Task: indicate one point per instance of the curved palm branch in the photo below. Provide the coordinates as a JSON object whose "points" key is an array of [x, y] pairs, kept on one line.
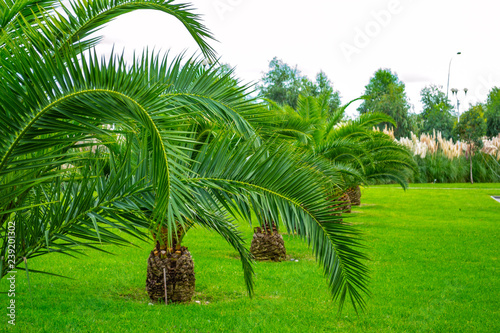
{"points": [[280, 186], [65, 28], [73, 210]]}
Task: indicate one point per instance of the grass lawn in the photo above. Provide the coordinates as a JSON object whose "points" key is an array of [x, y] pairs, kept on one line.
{"points": [[435, 268]]}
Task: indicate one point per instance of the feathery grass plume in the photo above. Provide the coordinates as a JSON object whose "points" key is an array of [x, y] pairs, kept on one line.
{"points": [[445, 160]]}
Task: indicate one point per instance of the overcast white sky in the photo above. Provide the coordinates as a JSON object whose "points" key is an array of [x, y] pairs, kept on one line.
{"points": [[348, 40]]}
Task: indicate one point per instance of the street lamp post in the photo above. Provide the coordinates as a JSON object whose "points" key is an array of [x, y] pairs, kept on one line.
{"points": [[449, 68], [455, 91]]}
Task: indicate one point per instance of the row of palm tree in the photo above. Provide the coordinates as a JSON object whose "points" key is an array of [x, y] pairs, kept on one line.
{"points": [[353, 153], [91, 146], [359, 155]]}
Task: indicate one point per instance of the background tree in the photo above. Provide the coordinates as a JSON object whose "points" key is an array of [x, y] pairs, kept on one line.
{"points": [[493, 112], [470, 128], [323, 87], [416, 123], [283, 85], [386, 93], [437, 111]]}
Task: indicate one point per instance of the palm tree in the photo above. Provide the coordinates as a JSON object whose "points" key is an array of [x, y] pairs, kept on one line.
{"points": [[89, 147], [353, 153], [359, 154], [58, 99], [55, 99]]}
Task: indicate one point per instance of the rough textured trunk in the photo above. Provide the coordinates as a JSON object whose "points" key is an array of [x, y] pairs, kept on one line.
{"points": [[267, 244], [343, 205], [174, 261], [354, 194], [179, 269]]}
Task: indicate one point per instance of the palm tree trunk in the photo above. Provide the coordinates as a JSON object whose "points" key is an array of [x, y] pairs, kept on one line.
{"points": [[354, 195], [341, 206], [180, 279], [268, 244], [176, 263]]}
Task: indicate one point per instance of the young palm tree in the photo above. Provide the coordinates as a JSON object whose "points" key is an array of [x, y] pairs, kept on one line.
{"points": [[353, 153], [359, 154], [57, 105], [230, 178]]}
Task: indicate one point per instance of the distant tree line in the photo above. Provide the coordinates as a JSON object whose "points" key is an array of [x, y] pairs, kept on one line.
{"points": [[386, 93]]}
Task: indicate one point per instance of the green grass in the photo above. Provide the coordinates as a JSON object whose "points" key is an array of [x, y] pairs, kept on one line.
{"points": [[434, 268]]}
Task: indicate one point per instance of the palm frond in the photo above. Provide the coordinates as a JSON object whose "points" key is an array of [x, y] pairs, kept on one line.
{"points": [[84, 210], [278, 186]]}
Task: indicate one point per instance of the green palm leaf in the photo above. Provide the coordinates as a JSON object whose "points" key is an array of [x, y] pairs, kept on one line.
{"points": [[278, 186]]}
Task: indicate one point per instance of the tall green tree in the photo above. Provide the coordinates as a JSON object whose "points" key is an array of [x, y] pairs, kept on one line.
{"points": [[283, 84], [470, 128], [437, 111], [385, 93], [324, 87], [493, 112]]}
